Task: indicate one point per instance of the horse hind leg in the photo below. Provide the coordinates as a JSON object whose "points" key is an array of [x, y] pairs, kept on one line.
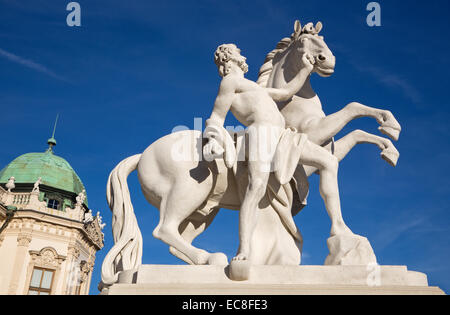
{"points": [[192, 228], [174, 209]]}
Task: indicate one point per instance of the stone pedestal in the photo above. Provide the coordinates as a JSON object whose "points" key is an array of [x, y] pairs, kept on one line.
{"points": [[273, 280]]}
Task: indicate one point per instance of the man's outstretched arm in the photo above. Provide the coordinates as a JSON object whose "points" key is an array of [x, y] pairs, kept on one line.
{"points": [[223, 103], [290, 89], [214, 125]]}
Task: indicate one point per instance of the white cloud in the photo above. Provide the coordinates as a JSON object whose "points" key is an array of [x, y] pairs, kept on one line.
{"points": [[391, 230], [30, 64]]}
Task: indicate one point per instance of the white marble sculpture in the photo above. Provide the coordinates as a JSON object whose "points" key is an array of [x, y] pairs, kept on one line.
{"points": [[10, 185], [81, 198], [100, 221], [255, 107], [88, 217], [36, 186], [299, 141]]}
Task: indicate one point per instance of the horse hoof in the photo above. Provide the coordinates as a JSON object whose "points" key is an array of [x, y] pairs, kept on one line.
{"points": [[392, 133], [391, 156], [218, 259]]}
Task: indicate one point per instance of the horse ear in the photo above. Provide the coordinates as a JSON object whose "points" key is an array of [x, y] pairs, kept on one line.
{"points": [[319, 27], [297, 27]]}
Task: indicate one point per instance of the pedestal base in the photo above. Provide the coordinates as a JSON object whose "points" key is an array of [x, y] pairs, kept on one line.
{"points": [[273, 280]]}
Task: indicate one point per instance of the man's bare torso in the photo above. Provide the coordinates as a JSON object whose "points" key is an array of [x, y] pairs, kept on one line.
{"points": [[252, 104]]}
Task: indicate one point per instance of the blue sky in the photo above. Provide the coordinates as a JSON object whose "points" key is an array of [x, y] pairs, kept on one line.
{"points": [[136, 69]]}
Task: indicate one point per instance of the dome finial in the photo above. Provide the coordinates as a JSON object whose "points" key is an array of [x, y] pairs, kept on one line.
{"points": [[52, 141]]}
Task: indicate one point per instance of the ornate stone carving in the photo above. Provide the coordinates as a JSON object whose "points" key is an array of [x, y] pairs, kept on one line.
{"points": [[85, 268], [47, 258], [94, 232], [24, 239], [100, 221], [81, 198], [73, 251], [88, 217]]}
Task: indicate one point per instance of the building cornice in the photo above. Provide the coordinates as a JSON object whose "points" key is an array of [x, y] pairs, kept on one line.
{"points": [[91, 231], [29, 206]]}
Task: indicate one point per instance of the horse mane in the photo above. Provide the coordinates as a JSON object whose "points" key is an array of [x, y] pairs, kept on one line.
{"points": [[267, 67]]}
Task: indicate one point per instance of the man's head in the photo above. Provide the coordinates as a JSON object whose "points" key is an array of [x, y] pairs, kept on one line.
{"points": [[226, 55]]}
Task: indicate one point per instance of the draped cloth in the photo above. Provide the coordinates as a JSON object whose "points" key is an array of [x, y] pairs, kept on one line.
{"points": [[288, 153], [288, 188]]}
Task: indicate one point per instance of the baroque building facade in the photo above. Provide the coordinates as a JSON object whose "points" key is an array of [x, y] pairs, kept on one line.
{"points": [[48, 235]]}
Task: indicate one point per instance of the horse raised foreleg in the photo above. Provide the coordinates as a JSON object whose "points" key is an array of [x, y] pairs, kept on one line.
{"points": [[320, 130], [343, 146]]}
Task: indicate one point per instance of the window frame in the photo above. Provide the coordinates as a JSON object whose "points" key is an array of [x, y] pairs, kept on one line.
{"points": [[40, 289], [57, 201]]}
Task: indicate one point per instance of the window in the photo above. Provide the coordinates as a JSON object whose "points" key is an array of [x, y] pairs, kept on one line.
{"points": [[53, 204], [41, 282]]}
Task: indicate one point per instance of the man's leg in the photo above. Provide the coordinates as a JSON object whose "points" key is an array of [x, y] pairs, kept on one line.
{"points": [[262, 141], [248, 215], [316, 156]]}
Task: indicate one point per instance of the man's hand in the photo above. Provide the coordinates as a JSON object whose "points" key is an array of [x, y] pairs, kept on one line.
{"points": [[212, 150], [283, 94], [308, 62]]}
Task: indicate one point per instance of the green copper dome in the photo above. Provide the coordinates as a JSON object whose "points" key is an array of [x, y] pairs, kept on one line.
{"points": [[55, 171]]}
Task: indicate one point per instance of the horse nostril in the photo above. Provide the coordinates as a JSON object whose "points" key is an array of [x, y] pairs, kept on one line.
{"points": [[322, 58]]}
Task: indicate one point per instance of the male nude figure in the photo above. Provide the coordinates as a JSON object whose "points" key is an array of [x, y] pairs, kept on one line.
{"points": [[255, 107]]}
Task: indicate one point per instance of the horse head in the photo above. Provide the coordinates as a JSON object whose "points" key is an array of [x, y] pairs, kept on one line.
{"points": [[285, 60], [307, 41]]}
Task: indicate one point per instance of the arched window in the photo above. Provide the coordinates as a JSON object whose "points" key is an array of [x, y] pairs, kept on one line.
{"points": [[53, 204]]}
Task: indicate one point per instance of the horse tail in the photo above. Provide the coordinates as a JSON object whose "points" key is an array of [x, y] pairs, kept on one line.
{"points": [[126, 253]]}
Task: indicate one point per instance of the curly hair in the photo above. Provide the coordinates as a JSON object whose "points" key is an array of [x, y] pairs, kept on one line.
{"points": [[224, 55]]}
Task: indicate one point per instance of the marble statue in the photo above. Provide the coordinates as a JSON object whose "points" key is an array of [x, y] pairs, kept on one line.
{"points": [[263, 177], [36, 185], [88, 217], [100, 221], [255, 107], [10, 185], [81, 198]]}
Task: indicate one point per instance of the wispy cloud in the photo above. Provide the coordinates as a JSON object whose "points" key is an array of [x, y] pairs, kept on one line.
{"points": [[30, 64], [412, 224], [381, 74], [392, 81]]}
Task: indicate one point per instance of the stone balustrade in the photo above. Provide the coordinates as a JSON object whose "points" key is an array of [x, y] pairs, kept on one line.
{"points": [[21, 199], [30, 201]]}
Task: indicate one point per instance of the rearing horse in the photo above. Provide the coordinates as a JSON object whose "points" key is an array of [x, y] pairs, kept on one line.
{"points": [[304, 112]]}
